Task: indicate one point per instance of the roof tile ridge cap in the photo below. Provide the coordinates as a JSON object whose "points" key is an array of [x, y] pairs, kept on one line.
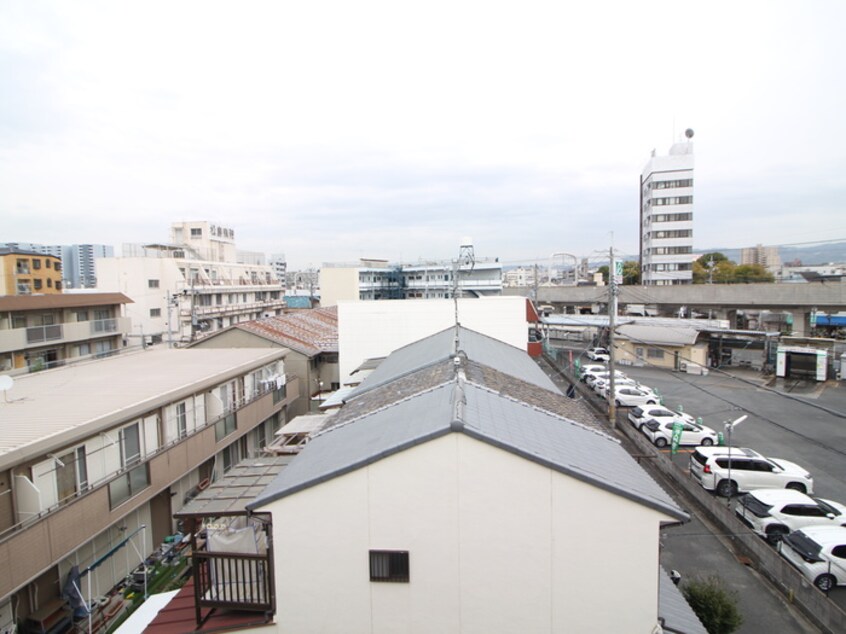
{"points": [[584, 426], [380, 409], [459, 397]]}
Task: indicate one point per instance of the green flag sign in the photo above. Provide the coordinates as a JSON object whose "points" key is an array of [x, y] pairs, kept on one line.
{"points": [[677, 432]]}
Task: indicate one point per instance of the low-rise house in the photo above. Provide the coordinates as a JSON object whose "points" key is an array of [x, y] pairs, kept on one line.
{"points": [[94, 454], [45, 331], [311, 338], [457, 491]]}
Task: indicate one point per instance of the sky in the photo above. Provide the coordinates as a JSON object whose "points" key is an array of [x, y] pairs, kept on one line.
{"points": [[332, 131]]}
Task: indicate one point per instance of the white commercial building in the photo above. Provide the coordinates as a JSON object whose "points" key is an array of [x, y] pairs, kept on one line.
{"points": [[194, 285], [379, 279], [666, 217]]}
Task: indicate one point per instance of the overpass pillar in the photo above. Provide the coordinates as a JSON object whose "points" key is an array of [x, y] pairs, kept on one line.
{"points": [[801, 322]]}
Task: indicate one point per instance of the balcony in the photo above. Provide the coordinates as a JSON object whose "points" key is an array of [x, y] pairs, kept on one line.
{"points": [[18, 339], [225, 310]]}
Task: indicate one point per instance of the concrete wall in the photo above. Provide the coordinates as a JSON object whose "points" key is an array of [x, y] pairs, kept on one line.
{"points": [[375, 329], [338, 284], [494, 546]]}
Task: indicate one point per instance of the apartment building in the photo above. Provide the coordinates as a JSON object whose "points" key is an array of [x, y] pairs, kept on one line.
{"points": [[666, 217], [24, 272], [191, 286], [38, 332], [768, 257], [78, 270], [380, 279], [100, 454]]}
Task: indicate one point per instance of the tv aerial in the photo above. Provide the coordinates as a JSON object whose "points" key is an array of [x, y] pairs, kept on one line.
{"points": [[6, 383]]}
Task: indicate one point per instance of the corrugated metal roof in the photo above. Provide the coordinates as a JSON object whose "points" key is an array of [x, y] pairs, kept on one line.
{"points": [[478, 347], [458, 406], [46, 411], [673, 608], [309, 332], [231, 494], [659, 335], [60, 300]]}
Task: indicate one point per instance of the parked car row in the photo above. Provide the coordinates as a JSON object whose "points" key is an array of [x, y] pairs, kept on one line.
{"points": [[627, 391], [778, 502]]}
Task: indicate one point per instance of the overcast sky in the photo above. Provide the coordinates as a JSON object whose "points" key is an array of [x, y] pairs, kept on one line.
{"points": [[330, 131]]}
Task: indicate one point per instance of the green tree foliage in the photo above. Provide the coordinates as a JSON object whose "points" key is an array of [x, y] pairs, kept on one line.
{"points": [[631, 272], [715, 605], [716, 268]]}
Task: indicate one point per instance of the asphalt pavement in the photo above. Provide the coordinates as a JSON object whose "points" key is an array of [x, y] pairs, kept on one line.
{"points": [[777, 426]]}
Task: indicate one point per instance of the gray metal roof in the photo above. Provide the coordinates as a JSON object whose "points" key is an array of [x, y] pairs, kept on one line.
{"points": [[678, 616], [478, 347], [46, 411], [241, 485], [659, 335], [460, 407]]}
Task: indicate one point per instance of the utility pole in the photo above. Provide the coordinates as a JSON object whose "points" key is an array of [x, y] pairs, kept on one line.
{"points": [[612, 315], [169, 322]]}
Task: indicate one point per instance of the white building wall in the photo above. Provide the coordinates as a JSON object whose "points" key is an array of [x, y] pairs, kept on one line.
{"points": [[375, 329], [493, 547], [338, 284]]}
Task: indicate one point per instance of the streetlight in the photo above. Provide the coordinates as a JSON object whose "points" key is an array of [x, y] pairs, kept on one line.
{"points": [[729, 427]]}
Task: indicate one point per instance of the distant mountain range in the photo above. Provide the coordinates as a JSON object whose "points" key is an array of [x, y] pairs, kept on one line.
{"points": [[810, 255]]}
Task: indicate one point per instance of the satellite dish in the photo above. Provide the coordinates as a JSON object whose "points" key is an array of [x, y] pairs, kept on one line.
{"points": [[6, 382], [689, 133]]}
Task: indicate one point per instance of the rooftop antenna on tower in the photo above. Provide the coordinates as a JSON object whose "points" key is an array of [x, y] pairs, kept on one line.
{"points": [[465, 262]]}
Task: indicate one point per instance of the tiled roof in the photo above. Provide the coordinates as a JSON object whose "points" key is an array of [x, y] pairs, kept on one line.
{"points": [[308, 332], [459, 406], [442, 345]]}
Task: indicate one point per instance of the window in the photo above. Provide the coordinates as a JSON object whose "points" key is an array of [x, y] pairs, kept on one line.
{"points": [[152, 283], [655, 353], [196, 232], [181, 420], [81, 467], [224, 427], [155, 312], [839, 551], [130, 445], [82, 315], [389, 565], [48, 263], [49, 283], [128, 484], [36, 263], [83, 349], [37, 284]]}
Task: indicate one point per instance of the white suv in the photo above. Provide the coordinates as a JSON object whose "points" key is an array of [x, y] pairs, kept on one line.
{"points": [[660, 432], [598, 354], [749, 470], [819, 553], [639, 416], [773, 513]]}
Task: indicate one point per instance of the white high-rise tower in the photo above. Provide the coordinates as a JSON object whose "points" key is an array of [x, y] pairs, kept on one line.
{"points": [[666, 216]]}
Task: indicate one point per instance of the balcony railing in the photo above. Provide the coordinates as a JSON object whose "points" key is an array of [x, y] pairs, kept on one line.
{"points": [[40, 334], [235, 581]]}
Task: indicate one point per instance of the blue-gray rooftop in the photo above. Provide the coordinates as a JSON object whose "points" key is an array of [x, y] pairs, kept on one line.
{"points": [[442, 345], [561, 444]]}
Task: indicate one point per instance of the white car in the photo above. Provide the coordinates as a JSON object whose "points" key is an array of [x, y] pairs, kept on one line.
{"points": [[773, 513], [590, 368], [591, 378], [598, 354], [601, 386], [626, 396], [819, 553], [640, 415], [661, 432], [710, 466]]}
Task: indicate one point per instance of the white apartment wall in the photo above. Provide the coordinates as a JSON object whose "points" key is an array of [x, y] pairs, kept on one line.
{"points": [[375, 329], [338, 284], [131, 276], [493, 547]]}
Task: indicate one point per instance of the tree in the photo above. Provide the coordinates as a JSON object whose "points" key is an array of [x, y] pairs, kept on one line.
{"points": [[604, 270], [714, 256], [631, 272], [715, 606], [752, 273]]}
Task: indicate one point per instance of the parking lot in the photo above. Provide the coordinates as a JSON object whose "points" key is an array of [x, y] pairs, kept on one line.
{"points": [[801, 422]]}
